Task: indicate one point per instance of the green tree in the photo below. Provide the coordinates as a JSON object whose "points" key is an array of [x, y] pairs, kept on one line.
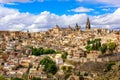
{"points": [[98, 45], [51, 68], [17, 78], [88, 47], [46, 60], [63, 68], [51, 51], [35, 78], [49, 65], [109, 66], [41, 51], [2, 78], [88, 42], [66, 68], [94, 44], [103, 48], [35, 52], [111, 46], [64, 55]]}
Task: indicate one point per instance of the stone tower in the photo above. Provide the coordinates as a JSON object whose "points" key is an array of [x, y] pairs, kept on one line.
{"points": [[88, 24]]}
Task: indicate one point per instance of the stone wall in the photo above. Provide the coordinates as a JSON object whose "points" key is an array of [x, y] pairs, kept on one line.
{"points": [[106, 59]]}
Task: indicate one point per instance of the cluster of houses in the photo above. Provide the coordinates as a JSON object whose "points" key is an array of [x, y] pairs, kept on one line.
{"points": [[16, 57]]}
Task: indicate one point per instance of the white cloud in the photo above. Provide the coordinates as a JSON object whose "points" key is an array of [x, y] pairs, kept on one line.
{"points": [[113, 2], [81, 9], [79, 0], [12, 19], [106, 9], [12, 1], [109, 21]]}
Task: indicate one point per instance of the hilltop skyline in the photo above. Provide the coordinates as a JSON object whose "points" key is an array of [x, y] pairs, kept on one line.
{"points": [[40, 15]]}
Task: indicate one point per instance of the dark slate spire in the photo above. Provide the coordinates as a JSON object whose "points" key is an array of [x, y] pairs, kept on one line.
{"points": [[77, 27], [57, 27], [88, 24]]}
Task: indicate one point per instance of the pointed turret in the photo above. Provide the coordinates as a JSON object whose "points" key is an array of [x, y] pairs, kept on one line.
{"points": [[57, 27], [88, 24], [77, 27]]}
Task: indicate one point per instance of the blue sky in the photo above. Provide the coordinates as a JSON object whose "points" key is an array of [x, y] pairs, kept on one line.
{"points": [[38, 15], [62, 7]]}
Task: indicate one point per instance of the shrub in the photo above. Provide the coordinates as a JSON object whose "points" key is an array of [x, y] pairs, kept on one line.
{"points": [[109, 66]]}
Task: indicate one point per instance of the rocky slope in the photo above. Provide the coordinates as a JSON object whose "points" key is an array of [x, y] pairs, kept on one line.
{"points": [[113, 74]]}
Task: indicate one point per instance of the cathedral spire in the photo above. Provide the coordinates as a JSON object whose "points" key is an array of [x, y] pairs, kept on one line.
{"points": [[88, 24]]}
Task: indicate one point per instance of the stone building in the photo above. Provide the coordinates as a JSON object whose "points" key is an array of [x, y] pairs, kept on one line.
{"points": [[93, 54]]}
